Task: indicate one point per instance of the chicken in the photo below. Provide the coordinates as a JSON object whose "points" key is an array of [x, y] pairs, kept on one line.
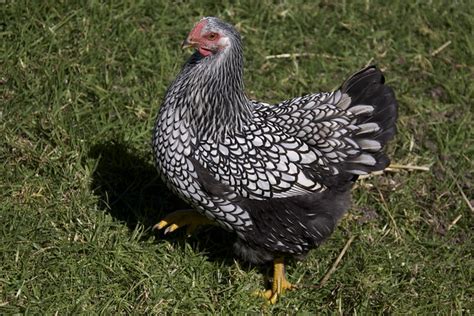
{"points": [[278, 176]]}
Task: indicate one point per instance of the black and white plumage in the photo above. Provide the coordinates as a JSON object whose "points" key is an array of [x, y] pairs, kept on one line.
{"points": [[279, 176]]}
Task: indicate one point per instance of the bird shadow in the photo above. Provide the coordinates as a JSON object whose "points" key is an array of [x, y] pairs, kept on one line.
{"points": [[129, 189]]}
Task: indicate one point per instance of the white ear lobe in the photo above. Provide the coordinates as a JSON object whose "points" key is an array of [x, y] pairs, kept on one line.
{"points": [[224, 41]]}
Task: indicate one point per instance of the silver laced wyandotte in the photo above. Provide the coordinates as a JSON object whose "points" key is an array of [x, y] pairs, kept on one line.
{"points": [[279, 176]]}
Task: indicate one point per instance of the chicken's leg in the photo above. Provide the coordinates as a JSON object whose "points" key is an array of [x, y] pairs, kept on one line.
{"points": [[280, 283], [178, 219]]}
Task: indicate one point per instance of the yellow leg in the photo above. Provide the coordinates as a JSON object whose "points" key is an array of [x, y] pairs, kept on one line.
{"points": [[280, 283], [178, 219]]}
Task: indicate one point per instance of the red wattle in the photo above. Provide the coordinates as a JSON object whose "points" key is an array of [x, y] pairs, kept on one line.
{"points": [[204, 51]]}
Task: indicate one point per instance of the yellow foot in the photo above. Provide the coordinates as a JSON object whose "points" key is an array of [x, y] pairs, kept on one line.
{"points": [[280, 283], [178, 219]]}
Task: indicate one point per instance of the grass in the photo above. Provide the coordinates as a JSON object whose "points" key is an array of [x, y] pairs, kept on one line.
{"points": [[81, 85]]}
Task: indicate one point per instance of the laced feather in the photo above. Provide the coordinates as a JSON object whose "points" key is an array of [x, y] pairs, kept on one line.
{"points": [[210, 91]]}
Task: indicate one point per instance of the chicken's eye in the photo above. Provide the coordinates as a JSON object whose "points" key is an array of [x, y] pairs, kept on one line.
{"points": [[212, 36]]}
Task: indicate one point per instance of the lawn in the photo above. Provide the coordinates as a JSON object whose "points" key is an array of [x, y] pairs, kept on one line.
{"points": [[80, 86]]}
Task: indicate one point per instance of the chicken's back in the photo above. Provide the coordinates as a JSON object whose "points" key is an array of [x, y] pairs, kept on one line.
{"points": [[348, 130]]}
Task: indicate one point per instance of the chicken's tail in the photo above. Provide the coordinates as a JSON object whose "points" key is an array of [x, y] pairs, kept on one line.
{"points": [[375, 108]]}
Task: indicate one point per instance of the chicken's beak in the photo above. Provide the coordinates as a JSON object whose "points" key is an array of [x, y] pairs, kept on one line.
{"points": [[188, 43]]}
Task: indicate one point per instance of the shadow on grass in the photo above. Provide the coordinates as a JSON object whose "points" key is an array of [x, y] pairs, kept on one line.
{"points": [[130, 190]]}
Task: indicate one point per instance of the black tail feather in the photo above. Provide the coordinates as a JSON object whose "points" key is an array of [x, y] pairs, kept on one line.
{"points": [[367, 87]]}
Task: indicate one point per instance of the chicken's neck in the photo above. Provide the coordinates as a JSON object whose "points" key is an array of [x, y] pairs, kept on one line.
{"points": [[209, 94]]}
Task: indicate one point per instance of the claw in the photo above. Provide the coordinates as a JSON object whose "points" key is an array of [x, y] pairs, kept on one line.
{"points": [[171, 228], [178, 219], [160, 225], [267, 294], [273, 299]]}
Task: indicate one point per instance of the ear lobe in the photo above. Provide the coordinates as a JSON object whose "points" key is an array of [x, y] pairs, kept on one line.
{"points": [[223, 41]]}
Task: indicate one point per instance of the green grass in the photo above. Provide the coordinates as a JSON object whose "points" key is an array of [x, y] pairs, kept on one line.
{"points": [[80, 87]]}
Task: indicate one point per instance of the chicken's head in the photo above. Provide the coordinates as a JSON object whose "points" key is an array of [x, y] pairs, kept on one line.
{"points": [[210, 36]]}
